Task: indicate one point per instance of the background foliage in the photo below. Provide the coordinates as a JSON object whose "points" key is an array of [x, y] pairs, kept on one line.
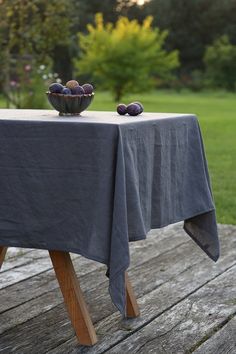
{"points": [[193, 25], [124, 57], [216, 114], [41, 32], [220, 61], [30, 33]]}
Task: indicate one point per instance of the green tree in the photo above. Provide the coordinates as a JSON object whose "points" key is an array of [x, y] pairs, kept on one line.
{"points": [[220, 61], [126, 56], [193, 25], [30, 33], [34, 27]]}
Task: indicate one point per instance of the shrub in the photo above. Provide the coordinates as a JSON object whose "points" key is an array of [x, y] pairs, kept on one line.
{"points": [[125, 57], [27, 85], [220, 61]]}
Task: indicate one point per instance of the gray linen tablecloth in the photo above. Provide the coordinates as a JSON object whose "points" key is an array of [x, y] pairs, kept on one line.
{"points": [[91, 184]]}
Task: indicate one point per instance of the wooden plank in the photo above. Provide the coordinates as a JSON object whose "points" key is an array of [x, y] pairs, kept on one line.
{"points": [[3, 251], [156, 244], [222, 342], [14, 296], [34, 263], [14, 252], [173, 235], [90, 282], [27, 270], [132, 309], [73, 297], [182, 327], [171, 290], [111, 330], [19, 258], [45, 295]]}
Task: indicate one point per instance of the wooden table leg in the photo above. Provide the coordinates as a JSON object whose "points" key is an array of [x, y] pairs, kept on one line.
{"points": [[3, 251], [132, 309], [73, 297]]}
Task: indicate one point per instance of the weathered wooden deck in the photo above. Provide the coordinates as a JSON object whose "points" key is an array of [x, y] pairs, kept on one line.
{"points": [[187, 302]]}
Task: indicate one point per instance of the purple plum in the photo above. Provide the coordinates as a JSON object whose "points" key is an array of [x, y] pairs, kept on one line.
{"points": [[88, 89], [56, 88], [133, 109], [121, 109], [140, 105], [77, 90], [66, 91]]}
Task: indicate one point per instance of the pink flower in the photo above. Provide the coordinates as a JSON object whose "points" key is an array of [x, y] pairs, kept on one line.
{"points": [[27, 67], [13, 83]]}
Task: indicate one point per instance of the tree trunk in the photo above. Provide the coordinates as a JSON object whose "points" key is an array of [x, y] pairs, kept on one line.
{"points": [[118, 94]]}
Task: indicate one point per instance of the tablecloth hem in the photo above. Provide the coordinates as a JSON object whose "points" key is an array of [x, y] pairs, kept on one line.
{"points": [[64, 249], [153, 227], [121, 308], [214, 258]]}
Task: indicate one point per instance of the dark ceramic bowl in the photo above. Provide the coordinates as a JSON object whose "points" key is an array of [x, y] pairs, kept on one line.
{"points": [[69, 104]]}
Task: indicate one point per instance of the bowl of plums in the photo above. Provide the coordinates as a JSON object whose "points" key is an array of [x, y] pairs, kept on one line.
{"points": [[71, 99]]}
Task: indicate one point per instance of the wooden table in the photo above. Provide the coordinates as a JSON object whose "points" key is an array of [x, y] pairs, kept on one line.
{"points": [[119, 143], [74, 299]]}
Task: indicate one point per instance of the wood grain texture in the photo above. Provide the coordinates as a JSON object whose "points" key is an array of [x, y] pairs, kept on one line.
{"points": [[112, 330], [221, 342], [132, 309], [73, 297], [33, 263], [155, 250], [46, 295], [38, 262], [21, 258], [161, 283], [3, 251], [185, 324]]}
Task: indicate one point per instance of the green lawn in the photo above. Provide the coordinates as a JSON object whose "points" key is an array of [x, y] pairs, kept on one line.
{"points": [[217, 116], [2, 103]]}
